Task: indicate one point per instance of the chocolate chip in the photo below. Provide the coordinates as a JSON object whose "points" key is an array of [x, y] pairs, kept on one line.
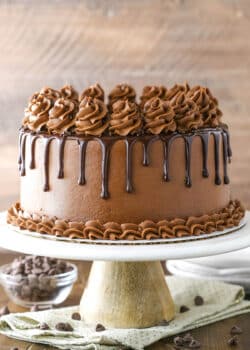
{"points": [[76, 316], [184, 308], [178, 341], [236, 330], [234, 341], [68, 327], [64, 327], [4, 311], [198, 300], [44, 326], [32, 274], [14, 348], [195, 344], [99, 328], [187, 338]]}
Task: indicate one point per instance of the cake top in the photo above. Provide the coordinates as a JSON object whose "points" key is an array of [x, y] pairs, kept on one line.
{"points": [[161, 110]]}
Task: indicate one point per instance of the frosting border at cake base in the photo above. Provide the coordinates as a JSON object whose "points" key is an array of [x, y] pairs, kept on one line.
{"points": [[219, 220]]}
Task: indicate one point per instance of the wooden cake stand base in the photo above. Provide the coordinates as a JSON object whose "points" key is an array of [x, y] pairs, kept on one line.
{"points": [[127, 295]]}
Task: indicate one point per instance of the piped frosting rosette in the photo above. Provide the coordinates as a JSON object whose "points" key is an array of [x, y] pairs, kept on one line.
{"points": [[91, 117]]}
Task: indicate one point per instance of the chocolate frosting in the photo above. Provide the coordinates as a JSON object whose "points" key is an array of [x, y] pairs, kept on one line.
{"points": [[68, 92], [177, 89], [187, 115], [94, 91], [158, 116], [207, 105], [37, 112], [149, 92], [219, 220], [122, 91], [61, 116], [50, 93], [125, 118], [193, 108], [91, 117]]}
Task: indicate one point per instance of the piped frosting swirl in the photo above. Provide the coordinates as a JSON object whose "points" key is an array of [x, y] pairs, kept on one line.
{"points": [[159, 116], [180, 108], [122, 91], [207, 105], [187, 115], [125, 118], [61, 116], [94, 91], [36, 114], [91, 117], [218, 220], [150, 92], [67, 91]]}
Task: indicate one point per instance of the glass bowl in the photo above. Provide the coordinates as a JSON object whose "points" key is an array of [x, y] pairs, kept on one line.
{"points": [[43, 291]]}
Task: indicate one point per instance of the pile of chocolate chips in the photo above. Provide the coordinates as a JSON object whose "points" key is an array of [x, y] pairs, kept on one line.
{"points": [[33, 276]]}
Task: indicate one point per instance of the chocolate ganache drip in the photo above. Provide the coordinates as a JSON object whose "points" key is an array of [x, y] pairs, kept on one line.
{"points": [[107, 142], [122, 91], [159, 116], [62, 116], [150, 92], [125, 118], [94, 91], [91, 118]]}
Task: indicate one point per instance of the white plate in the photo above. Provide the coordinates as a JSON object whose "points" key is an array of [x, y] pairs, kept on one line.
{"points": [[204, 245]]}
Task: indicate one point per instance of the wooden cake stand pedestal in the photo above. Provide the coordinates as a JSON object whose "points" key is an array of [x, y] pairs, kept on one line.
{"points": [[126, 286]]}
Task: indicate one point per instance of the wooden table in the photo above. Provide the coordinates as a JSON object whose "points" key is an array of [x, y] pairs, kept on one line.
{"points": [[212, 337]]}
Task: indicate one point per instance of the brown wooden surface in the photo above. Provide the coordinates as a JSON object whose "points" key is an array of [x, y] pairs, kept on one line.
{"points": [[212, 337], [141, 42]]}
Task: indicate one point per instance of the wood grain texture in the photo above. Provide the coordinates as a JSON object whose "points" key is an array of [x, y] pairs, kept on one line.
{"points": [[141, 42], [212, 337], [121, 295]]}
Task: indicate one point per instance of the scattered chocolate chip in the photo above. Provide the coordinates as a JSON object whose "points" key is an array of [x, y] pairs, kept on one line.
{"points": [[234, 341], [76, 316], [198, 300], [64, 327], [4, 311], [195, 344], [184, 308], [99, 328], [44, 326], [178, 341], [236, 330], [187, 338]]}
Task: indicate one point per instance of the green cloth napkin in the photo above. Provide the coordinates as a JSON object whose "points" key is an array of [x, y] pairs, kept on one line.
{"points": [[220, 301]]}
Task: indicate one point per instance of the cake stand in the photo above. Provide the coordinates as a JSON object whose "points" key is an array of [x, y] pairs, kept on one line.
{"points": [[126, 286]]}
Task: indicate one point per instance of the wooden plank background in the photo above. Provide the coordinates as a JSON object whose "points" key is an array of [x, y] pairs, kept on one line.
{"points": [[140, 42]]}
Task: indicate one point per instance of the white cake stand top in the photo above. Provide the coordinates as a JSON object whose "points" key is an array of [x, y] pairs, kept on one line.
{"points": [[25, 242]]}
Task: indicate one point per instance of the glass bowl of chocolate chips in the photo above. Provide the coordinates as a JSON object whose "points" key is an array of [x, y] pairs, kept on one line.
{"points": [[38, 281]]}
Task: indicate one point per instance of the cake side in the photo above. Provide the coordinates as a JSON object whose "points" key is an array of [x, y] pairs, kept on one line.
{"points": [[128, 191]]}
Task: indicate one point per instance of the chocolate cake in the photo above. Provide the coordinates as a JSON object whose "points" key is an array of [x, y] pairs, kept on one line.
{"points": [[125, 169]]}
